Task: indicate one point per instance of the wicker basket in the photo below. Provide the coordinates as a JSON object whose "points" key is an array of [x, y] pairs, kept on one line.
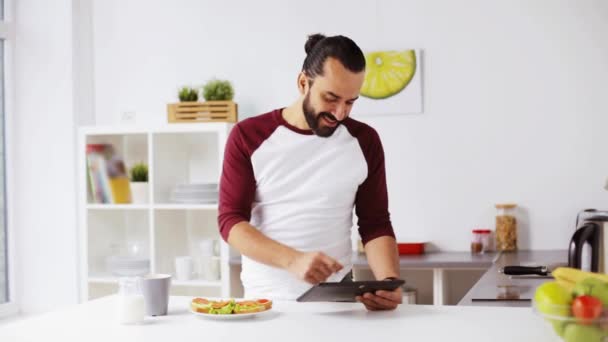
{"points": [[208, 111]]}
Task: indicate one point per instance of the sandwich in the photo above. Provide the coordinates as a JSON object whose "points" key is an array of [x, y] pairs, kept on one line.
{"points": [[229, 307]]}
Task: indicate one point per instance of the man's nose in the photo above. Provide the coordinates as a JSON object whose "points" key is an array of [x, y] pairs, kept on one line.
{"points": [[340, 112]]}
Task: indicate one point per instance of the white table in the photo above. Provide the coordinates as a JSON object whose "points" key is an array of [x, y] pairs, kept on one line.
{"points": [[288, 321]]}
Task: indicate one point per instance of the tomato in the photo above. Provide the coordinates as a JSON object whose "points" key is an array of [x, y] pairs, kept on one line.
{"points": [[586, 308]]}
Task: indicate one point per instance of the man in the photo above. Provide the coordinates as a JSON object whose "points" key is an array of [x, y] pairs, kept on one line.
{"points": [[292, 176]]}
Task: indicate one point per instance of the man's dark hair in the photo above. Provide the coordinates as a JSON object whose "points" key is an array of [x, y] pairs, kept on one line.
{"points": [[318, 48]]}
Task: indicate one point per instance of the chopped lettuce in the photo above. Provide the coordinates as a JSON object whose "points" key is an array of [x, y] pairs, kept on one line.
{"points": [[224, 310]]}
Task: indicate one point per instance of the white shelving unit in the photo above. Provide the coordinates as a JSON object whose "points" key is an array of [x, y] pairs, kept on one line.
{"points": [[178, 153]]}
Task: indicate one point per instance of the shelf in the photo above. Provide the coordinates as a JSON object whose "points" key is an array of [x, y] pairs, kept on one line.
{"points": [[170, 128], [103, 279], [195, 282], [177, 206], [109, 279], [118, 206], [164, 230], [170, 206]]}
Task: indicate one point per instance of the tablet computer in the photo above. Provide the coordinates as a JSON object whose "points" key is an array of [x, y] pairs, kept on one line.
{"points": [[347, 291]]}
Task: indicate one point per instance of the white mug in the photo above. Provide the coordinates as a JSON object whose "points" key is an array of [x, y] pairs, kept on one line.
{"points": [[208, 247], [210, 268], [183, 268]]}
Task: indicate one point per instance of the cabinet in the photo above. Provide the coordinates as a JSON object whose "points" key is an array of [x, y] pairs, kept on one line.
{"points": [[159, 230]]}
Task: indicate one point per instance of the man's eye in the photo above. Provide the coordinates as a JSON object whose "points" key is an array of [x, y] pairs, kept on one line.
{"points": [[330, 100]]}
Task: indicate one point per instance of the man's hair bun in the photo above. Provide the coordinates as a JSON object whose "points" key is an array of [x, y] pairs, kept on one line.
{"points": [[313, 39]]}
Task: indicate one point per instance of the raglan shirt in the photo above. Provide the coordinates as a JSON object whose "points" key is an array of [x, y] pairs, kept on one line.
{"points": [[299, 189]]}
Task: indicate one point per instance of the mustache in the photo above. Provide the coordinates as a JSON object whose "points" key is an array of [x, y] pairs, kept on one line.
{"points": [[330, 116]]}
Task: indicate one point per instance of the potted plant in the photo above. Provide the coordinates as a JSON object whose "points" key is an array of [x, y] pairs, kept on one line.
{"points": [[217, 107], [139, 183], [187, 94], [218, 90]]}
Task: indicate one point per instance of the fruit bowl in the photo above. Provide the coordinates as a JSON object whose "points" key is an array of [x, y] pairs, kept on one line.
{"points": [[575, 304], [575, 328]]}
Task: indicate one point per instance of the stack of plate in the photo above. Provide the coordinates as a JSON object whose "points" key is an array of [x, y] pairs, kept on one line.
{"points": [[127, 265], [196, 193]]}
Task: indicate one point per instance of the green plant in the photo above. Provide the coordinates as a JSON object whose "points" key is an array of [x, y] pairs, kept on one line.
{"points": [[139, 172], [218, 90], [187, 94]]}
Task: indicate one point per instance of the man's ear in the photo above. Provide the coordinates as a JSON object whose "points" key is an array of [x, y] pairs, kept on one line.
{"points": [[302, 83]]}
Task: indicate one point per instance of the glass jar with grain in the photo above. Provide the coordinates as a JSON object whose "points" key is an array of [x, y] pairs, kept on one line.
{"points": [[506, 227]]}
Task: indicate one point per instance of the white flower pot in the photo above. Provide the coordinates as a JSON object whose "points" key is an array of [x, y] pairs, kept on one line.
{"points": [[139, 192]]}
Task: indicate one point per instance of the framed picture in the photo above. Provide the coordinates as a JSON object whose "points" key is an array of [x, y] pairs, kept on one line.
{"points": [[393, 83]]}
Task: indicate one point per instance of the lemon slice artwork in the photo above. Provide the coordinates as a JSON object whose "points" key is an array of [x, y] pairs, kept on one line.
{"points": [[387, 73]]}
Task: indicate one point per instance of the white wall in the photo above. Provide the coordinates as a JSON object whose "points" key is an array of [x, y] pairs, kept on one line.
{"points": [[514, 94], [44, 178]]}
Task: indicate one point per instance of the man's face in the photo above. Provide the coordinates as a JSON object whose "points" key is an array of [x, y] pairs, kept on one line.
{"points": [[329, 98]]}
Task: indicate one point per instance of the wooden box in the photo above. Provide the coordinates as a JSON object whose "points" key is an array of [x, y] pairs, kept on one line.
{"points": [[208, 111]]}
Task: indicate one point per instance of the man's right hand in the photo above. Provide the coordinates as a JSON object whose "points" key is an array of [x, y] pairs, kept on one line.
{"points": [[313, 267]]}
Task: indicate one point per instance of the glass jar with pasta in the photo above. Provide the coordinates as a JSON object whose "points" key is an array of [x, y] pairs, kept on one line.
{"points": [[506, 227]]}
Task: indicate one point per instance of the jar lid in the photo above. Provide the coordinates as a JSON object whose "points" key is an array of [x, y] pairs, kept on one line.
{"points": [[482, 231], [505, 206]]}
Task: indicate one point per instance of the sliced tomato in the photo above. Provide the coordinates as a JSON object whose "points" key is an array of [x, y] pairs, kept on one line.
{"points": [[586, 308], [247, 302], [267, 304]]}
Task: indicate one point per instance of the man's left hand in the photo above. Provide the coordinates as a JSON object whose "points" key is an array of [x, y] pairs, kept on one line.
{"points": [[382, 300]]}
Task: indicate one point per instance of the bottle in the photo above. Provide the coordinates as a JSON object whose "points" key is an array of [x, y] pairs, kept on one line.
{"points": [[130, 301], [485, 240], [506, 227], [480, 242], [476, 244]]}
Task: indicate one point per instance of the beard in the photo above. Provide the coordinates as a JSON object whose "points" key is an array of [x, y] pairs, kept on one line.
{"points": [[314, 119]]}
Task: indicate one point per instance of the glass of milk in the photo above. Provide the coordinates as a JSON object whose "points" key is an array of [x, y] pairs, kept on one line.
{"points": [[130, 301]]}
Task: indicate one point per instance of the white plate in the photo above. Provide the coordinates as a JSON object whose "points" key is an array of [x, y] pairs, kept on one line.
{"points": [[229, 317]]}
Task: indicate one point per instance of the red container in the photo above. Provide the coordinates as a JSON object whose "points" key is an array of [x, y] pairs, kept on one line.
{"points": [[409, 248]]}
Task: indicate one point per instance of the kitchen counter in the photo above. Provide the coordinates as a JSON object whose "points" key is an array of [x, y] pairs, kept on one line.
{"points": [[496, 289], [94, 321], [430, 260], [492, 289], [447, 260], [438, 262]]}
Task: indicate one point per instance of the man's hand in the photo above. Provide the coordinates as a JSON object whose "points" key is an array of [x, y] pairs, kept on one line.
{"points": [[313, 267], [382, 300]]}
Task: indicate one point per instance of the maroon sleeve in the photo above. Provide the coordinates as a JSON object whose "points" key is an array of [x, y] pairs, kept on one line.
{"points": [[237, 184], [371, 202]]}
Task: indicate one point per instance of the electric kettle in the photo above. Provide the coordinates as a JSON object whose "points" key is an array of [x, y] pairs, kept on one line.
{"points": [[591, 226]]}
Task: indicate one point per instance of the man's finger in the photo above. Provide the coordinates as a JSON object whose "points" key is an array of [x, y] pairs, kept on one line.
{"points": [[369, 305], [322, 272], [313, 277], [319, 276], [395, 296], [379, 301], [332, 264], [311, 280], [323, 268]]}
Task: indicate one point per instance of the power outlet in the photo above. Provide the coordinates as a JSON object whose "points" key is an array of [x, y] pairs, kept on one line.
{"points": [[128, 117]]}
